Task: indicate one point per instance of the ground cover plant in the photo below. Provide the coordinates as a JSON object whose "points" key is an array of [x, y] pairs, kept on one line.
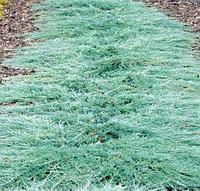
{"points": [[115, 100]]}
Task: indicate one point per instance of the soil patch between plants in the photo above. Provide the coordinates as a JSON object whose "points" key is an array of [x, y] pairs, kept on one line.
{"points": [[6, 71]]}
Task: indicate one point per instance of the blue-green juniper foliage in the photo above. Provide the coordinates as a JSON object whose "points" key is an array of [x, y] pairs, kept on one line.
{"points": [[115, 100]]}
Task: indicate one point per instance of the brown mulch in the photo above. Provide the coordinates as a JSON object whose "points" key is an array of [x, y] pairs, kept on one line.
{"points": [[18, 19], [6, 71], [187, 11]]}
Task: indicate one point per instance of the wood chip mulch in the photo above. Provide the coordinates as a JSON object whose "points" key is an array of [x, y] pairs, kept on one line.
{"points": [[18, 19], [187, 11]]}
